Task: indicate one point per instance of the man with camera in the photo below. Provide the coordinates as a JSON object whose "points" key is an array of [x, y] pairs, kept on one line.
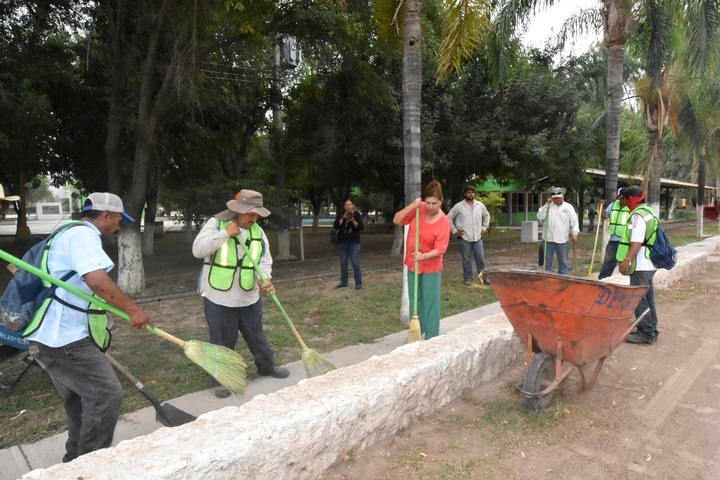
{"points": [[349, 224]]}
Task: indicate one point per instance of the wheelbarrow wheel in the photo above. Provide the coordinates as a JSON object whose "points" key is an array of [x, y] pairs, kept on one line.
{"points": [[539, 374]]}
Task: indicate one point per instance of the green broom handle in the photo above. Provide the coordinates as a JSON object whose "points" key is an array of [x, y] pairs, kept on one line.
{"points": [[417, 249], [98, 302], [275, 299]]}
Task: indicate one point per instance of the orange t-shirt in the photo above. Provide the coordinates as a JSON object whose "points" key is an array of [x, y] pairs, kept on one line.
{"points": [[433, 236]]}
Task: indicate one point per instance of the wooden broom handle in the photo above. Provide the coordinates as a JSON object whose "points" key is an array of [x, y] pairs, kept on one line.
{"points": [[167, 336]]}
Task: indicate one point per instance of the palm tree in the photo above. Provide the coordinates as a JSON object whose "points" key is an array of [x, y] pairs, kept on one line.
{"points": [[616, 19], [697, 113], [675, 42]]}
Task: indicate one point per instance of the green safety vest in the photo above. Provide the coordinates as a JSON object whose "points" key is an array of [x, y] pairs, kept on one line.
{"points": [[619, 217], [650, 235], [97, 317], [225, 261]]}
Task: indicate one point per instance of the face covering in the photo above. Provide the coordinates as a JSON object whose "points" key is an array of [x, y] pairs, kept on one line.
{"points": [[633, 202]]}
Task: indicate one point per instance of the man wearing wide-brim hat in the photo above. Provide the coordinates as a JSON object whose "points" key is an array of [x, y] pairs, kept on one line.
{"points": [[229, 285], [560, 225]]}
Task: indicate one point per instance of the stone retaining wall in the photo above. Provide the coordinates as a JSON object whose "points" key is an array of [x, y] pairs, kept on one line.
{"points": [[300, 431]]}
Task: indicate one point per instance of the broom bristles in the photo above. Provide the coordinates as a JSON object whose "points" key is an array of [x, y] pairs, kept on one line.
{"points": [[414, 331], [315, 364], [225, 365]]}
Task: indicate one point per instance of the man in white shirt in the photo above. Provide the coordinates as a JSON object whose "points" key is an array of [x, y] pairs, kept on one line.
{"points": [[469, 219], [560, 225]]}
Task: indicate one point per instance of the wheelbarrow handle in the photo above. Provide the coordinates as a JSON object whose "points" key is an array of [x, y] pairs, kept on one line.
{"points": [[633, 325]]}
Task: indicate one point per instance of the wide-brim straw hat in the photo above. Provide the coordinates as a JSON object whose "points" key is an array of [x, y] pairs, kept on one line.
{"points": [[9, 198], [246, 201]]}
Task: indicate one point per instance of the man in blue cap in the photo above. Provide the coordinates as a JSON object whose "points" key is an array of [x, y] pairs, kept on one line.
{"points": [[69, 339]]}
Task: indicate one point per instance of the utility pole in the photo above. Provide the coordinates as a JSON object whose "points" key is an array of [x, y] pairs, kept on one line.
{"points": [[286, 56]]}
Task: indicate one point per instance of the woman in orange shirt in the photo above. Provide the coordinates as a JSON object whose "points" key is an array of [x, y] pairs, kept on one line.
{"points": [[434, 240]]}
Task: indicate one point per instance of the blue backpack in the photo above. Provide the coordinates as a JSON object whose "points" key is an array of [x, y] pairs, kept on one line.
{"points": [[26, 293], [662, 253]]}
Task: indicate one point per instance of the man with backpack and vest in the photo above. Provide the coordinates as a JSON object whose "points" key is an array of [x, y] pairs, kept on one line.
{"points": [[619, 214], [634, 258], [67, 339], [229, 285]]}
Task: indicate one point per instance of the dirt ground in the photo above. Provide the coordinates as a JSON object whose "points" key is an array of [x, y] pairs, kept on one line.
{"points": [[653, 413]]}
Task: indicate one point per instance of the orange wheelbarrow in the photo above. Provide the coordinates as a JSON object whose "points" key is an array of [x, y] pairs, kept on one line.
{"points": [[565, 323]]}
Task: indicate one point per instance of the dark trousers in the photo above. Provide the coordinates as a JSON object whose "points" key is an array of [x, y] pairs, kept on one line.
{"points": [[648, 325], [224, 323], [90, 390], [609, 263]]}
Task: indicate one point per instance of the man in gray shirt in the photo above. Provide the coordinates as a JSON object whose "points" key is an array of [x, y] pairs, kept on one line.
{"points": [[468, 220]]}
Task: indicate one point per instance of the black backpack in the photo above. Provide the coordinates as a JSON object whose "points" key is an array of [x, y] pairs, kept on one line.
{"points": [[26, 293]]}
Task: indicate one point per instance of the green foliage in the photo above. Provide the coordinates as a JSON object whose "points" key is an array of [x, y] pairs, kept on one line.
{"points": [[494, 202]]}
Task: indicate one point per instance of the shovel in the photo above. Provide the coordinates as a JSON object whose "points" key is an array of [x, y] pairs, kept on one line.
{"points": [[166, 414]]}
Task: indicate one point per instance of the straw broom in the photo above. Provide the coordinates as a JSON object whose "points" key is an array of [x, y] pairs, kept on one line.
{"points": [[313, 361], [225, 365], [414, 330]]}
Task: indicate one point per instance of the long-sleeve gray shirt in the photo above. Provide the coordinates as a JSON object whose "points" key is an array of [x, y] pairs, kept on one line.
{"points": [[473, 220]]}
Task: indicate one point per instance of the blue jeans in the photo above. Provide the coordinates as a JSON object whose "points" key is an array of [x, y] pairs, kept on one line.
{"points": [[648, 325], [609, 263], [90, 390], [468, 250], [224, 323], [350, 251], [561, 249]]}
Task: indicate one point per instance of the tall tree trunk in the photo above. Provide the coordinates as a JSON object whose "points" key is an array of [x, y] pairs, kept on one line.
{"points": [[616, 24], [131, 272], [412, 97], [702, 172], [652, 195], [117, 23]]}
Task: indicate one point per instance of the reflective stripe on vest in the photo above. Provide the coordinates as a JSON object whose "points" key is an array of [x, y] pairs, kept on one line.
{"points": [[225, 261], [651, 223], [619, 217]]}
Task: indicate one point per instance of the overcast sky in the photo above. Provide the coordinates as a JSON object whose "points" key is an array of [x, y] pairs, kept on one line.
{"points": [[547, 22]]}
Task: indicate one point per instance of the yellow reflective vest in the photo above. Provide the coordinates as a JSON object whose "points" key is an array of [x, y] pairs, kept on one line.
{"points": [[619, 218], [651, 222], [97, 317], [225, 261]]}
